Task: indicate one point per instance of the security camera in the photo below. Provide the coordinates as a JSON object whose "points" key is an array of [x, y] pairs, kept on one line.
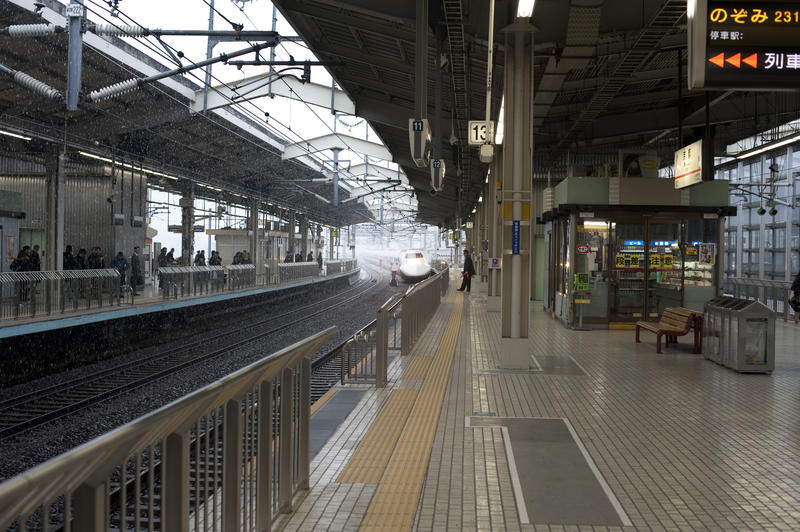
{"points": [[761, 211], [773, 211]]}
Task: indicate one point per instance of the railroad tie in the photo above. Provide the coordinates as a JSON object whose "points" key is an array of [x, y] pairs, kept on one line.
{"points": [[394, 504]]}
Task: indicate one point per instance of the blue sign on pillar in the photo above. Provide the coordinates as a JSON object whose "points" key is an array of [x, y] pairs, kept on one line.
{"points": [[515, 237], [486, 245]]}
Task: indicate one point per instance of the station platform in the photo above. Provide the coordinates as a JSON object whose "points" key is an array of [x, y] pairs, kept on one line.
{"points": [[148, 303], [603, 434]]}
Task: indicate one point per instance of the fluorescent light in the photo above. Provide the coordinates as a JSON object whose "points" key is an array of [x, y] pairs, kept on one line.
{"points": [[498, 135], [525, 8], [91, 156], [126, 165], [590, 223], [480, 200], [15, 135], [768, 147], [473, 210]]}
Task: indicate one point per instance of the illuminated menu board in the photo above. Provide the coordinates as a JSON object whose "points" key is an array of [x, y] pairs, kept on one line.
{"points": [[737, 44]]}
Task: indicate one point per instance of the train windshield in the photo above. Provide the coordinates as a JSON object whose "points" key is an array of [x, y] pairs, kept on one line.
{"points": [[414, 255]]}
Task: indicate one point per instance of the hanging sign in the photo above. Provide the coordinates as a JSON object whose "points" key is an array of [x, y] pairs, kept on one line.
{"points": [[583, 249], [655, 261], [667, 260], [619, 260], [689, 165], [634, 261], [744, 44]]}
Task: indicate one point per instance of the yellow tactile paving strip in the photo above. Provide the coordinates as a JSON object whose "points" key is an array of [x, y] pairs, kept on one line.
{"points": [[395, 501], [418, 368], [369, 461]]}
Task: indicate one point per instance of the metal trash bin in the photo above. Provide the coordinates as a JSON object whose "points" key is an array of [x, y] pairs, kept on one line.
{"points": [[739, 334]]}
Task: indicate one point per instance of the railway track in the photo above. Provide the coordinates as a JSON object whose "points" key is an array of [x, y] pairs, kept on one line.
{"points": [[24, 412]]}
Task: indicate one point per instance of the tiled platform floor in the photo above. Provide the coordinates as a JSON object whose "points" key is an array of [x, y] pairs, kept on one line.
{"points": [[681, 442]]}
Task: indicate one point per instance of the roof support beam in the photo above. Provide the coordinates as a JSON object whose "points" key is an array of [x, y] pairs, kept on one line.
{"points": [[336, 141], [288, 87]]}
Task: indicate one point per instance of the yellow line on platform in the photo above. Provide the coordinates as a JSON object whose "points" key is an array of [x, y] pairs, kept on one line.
{"points": [[322, 401], [394, 504], [369, 461], [418, 368]]}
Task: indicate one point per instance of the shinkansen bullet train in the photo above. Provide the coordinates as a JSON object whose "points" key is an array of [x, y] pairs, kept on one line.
{"points": [[413, 266]]}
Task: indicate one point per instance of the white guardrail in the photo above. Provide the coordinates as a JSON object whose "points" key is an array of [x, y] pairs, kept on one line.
{"points": [[230, 456], [31, 294], [396, 328], [774, 294]]}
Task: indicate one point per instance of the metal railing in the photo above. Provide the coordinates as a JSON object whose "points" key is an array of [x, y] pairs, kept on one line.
{"points": [[341, 266], [397, 327], [230, 456], [184, 281], [31, 294], [241, 276], [295, 271], [774, 294]]}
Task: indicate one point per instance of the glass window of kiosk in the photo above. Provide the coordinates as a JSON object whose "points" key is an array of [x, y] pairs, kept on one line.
{"points": [[665, 268], [591, 267], [627, 271]]}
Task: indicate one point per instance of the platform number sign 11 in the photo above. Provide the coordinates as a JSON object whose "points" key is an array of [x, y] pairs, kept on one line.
{"points": [[479, 133]]}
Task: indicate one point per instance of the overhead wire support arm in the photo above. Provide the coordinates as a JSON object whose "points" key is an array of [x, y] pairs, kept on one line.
{"points": [[132, 84], [32, 84]]}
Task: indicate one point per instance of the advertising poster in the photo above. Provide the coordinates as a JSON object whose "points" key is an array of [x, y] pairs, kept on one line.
{"points": [[11, 249], [707, 253]]}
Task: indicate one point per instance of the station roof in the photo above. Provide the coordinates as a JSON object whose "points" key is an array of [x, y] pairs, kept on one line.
{"points": [[230, 152], [606, 78]]}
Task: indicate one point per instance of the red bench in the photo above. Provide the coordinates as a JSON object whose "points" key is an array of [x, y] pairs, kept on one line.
{"points": [[674, 322]]}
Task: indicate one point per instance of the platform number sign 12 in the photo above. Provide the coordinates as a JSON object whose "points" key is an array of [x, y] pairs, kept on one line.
{"points": [[479, 132]]}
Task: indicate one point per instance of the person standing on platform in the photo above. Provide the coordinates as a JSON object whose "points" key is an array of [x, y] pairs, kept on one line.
{"points": [[36, 261], [310, 257], [136, 270], [171, 257], [468, 272], [796, 292], [319, 259], [298, 257], [122, 266]]}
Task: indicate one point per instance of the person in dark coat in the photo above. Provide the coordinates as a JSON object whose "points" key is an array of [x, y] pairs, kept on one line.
{"points": [[96, 261], [122, 265], [69, 261], [310, 257], [288, 257], [136, 270], [81, 259], [467, 273], [171, 257], [319, 259], [36, 261], [298, 257], [23, 261], [162, 259], [215, 259]]}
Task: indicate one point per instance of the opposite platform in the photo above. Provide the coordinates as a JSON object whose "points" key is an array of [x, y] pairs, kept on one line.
{"points": [[603, 434]]}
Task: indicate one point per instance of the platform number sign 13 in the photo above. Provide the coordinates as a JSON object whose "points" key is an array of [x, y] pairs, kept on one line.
{"points": [[479, 133]]}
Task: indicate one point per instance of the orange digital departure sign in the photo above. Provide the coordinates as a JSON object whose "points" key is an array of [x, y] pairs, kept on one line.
{"points": [[737, 44]]}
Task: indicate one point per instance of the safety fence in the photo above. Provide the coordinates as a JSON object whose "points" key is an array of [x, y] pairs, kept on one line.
{"points": [[772, 293], [296, 271], [397, 327], [240, 276], [31, 294], [341, 266], [183, 281], [230, 456]]}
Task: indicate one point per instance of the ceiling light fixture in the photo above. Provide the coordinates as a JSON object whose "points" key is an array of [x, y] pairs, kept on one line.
{"points": [[525, 8], [768, 147], [15, 135]]}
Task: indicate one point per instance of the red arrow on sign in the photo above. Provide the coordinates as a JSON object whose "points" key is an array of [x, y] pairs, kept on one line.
{"points": [[718, 60], [735, 60]]}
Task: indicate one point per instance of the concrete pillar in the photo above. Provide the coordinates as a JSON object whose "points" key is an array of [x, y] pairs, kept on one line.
{"points": [[495, 219], [187, 223], [517, 208], [304, 232], [292, 230], [254, 240], [56, 179]]}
